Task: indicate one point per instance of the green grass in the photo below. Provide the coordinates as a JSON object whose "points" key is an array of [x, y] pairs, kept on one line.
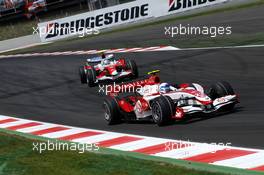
{"points": [[18, 158], [14, 30]]}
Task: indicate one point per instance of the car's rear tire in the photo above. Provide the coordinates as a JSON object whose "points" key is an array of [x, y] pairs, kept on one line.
{"points": [[91, 77], [131, 65], [163, 108], [111, 111], [221, 89], [83, 75]]}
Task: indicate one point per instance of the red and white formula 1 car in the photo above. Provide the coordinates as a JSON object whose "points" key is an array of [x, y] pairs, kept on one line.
{"points": [[163, 103], [36, 6], [100, 69]]}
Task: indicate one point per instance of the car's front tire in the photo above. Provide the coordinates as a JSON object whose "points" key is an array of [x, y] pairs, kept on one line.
{"points": [[111, 111], [83, 75], [221, 89], [91, 77], [163, 108]]}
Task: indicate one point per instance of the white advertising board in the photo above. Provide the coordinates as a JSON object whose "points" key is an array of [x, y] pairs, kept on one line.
{"points": [[92, 22], [169, 7]]}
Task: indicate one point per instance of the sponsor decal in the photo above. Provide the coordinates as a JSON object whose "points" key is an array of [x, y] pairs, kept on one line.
{"points": [[94, 22], [183, 4]]}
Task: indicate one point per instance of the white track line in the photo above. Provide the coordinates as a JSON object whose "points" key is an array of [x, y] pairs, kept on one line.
{"points": [[224, 47], [108, 51], [127, 50]]}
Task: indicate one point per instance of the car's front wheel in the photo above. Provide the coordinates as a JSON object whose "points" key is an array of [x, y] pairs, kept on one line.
{"points": [[163, 108], [111, 111], [83, 75], [91, 77], [221, 89]]}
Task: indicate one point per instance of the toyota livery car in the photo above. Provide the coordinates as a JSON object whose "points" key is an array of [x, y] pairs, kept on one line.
{"points": [[107, 68]]}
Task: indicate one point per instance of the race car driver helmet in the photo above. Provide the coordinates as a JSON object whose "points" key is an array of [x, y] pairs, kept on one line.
{"points": [[164, 88], [106, 62]]}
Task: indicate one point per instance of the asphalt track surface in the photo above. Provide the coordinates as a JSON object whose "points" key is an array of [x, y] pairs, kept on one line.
{"points": [[48, 89]]}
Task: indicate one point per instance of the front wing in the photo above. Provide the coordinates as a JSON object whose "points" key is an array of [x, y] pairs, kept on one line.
{"points": [[215, 106]]}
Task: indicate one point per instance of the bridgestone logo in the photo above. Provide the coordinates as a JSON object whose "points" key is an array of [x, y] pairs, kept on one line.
{"points": [[118, 16], [183, 4]]}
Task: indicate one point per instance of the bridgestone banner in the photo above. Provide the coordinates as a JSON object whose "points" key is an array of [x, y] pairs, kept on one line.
{"points": [[92, 22]]}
